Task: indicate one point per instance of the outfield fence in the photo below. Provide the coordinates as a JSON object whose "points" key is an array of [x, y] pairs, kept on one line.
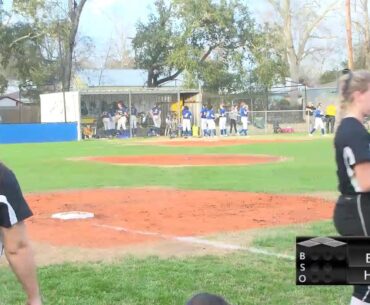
{"points": [[22, 113], [278, 121]]}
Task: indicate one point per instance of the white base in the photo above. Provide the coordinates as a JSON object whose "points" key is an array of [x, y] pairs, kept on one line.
{"points": [[73, 215]]}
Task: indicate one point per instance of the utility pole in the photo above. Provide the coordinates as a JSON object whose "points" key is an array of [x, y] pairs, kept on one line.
{"points": [[349, 34], [62, 68]]}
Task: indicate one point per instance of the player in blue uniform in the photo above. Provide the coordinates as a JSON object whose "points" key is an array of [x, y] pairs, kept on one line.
{"points": [[211, 126], [186, 121], [156, 116], [222, 120], [318, 114], [243, 112], [203, 120]]}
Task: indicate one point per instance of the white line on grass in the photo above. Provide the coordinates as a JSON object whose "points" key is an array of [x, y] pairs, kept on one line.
{"points": [[195, 240]]}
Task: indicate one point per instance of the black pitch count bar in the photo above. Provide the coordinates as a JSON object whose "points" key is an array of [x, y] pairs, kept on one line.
{"points": [[332, 260]]}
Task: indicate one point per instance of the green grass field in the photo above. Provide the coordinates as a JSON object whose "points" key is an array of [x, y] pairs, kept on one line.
{"points": [[243, 278]]}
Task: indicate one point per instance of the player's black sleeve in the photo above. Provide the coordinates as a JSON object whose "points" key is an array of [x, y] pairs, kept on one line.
{"points": [[357, 149], [13, 206]]}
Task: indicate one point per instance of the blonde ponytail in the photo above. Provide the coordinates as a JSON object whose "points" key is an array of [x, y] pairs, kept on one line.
{"points": [[350, 82]]}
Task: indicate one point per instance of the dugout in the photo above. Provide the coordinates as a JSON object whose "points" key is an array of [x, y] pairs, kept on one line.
{"points": [[86, 106]]}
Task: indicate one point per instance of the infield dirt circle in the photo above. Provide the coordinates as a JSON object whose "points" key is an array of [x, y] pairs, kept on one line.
{"points": [[185, 160], [205, 142], [134, 216]]}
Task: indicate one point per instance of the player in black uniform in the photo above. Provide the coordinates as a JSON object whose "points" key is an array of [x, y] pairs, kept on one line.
{"points": [[13, 210], [352, 148]]}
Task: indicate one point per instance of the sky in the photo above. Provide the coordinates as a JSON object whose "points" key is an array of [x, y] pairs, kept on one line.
{"points": [[100, 19]]}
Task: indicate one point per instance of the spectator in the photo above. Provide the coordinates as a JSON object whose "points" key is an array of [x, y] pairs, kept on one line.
{"points": [[206, 299], [330, 112], [233, 115], [87, 132]]}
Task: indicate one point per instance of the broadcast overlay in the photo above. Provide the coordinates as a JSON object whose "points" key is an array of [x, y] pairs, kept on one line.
{"points": [[332, 260]]}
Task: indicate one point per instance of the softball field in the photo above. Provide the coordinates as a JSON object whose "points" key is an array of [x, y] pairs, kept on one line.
{"points": [[173, 218]]}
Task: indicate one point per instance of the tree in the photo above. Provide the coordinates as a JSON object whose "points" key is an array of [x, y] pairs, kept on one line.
{"points": [[349, 34], [297, 36], [361, 31], [43, 41], [74, 14], [82, 53], [24, 50], [153, 44], [267, 50], [120, 51], [185, 34]]}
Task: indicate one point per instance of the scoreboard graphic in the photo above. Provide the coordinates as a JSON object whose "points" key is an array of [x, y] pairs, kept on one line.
{"points": [[332, 260]]}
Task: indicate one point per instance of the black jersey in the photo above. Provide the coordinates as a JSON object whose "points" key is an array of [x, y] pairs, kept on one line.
{"points": [[13, 206], [352, 146]]}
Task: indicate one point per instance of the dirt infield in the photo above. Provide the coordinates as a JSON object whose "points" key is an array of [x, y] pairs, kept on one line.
{"points": [[135, 216], [186, 160], [219, 142]]}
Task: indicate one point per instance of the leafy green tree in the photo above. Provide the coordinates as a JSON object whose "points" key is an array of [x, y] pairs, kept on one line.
{"points": [[215, 43], [153, 44], [184, 34], [38, 49]]}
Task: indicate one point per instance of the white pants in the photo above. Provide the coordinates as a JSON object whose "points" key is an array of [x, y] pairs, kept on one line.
{"points": [[222, 122], [319, 123], [133, 121], [203, 124], [355, 301], [186, 125], [245, 122], [157, 121], [211, 124], [112, 123], [107, 123], [121, 123]]}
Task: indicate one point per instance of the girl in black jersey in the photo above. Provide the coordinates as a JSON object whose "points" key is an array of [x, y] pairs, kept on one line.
{"points": [[13, 234], [352, 149]]}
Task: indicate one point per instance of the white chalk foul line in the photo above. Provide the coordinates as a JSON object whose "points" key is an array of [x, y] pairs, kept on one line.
{"points": [[195, 240]]}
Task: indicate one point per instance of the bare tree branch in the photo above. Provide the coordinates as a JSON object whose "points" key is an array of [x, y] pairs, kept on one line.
{"points": [[322, 37], [28, 36], [276, 5], [312, 51], [177, 73], [312, 27]]}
